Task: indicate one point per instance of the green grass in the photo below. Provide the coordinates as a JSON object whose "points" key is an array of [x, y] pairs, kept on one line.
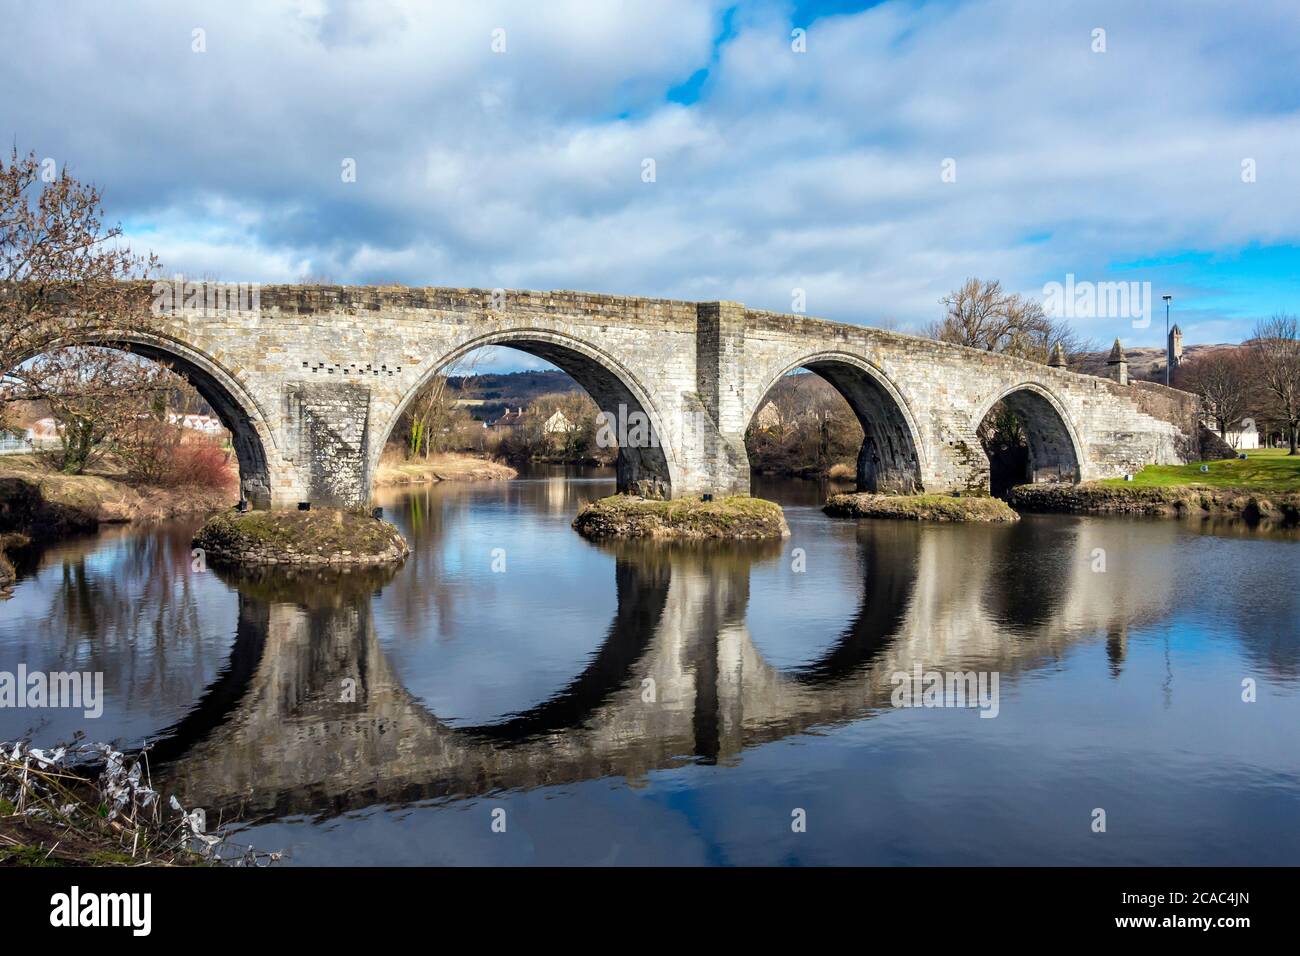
{"points": [[1266, 469], [23, 855]]}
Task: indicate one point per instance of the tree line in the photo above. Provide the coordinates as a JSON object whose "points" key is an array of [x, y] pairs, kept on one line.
{"points": [[65, 280], [1259, 381]]}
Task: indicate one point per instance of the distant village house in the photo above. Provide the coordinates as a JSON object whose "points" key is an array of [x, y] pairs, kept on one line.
{"points": [[558, 424]]}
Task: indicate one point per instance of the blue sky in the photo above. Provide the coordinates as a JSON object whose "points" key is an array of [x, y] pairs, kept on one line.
{"points": [[775, 169]]}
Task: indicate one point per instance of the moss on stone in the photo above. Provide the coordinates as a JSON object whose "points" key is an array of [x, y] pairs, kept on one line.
{"points": [[320, 536], [630, 516], [920, 507]]}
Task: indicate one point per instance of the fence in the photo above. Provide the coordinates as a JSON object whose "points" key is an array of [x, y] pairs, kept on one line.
{"points": [[11, 444]]}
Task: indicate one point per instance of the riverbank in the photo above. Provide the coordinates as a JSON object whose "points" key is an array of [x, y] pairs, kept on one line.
{"points": [[41, 502], [1102, 498], [450, 466], [1263, 486], [629, 516], [322, 536], [839, 471], [89, 805], [7, 541], [920, 507]]}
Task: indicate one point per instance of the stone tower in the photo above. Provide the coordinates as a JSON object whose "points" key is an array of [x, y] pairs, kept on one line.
{"points": [[1057, 358], [1116, 364], [1174, 349]]}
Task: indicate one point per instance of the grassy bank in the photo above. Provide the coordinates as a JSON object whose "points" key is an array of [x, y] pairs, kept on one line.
{"points": [[1264, 469], [919, 507], [1265, 486], [627, 516], [42, 502], [448, 466], [1102, 498]]}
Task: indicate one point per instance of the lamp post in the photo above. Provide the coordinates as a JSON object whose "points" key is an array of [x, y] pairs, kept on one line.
{"points": [[1168, 298]]}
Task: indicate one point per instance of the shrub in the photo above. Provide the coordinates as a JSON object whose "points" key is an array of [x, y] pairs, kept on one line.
{"points": [[201, 464]]}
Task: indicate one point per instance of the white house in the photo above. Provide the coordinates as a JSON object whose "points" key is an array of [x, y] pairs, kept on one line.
{"points": [[768, 417], [558, 424], [1242, 435], [207, 424], [44, 430]]}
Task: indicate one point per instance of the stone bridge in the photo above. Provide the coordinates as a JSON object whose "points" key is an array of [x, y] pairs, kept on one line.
{"points": [[312, 380]]}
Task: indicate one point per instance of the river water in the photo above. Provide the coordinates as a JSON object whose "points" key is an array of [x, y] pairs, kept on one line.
{"points": [[515, 694]]}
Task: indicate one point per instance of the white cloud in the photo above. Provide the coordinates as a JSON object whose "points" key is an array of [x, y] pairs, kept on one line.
{"points": [[818, 170]]}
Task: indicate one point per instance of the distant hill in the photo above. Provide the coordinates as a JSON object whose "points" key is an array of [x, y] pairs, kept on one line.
{"points": [[1143, 363], [487, 396]]}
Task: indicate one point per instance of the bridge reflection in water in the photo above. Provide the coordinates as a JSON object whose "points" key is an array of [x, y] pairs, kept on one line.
{"points": [[310, 716]]}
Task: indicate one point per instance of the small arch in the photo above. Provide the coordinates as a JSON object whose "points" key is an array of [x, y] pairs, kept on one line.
{"points": [[650, 471], [229, 400], [1048, 447], [890, 459]]}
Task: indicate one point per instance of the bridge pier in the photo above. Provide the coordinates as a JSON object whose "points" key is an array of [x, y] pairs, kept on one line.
{"points": [[715, 418], [881, 472]]}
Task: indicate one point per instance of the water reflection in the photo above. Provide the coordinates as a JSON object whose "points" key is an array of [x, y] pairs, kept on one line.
{"points": [[675, 676], [718, 685], [124, 604]]}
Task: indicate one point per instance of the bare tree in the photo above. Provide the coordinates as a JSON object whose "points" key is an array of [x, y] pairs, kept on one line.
{"points": [[62, 276], [982, 315], [427, 416], [1276, 345], [98, 397], [433, 419], [1224, 382]]}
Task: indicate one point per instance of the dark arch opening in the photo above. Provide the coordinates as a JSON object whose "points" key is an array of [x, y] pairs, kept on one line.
{"points": [[641, 465], [886, 459], [1026, 442]]}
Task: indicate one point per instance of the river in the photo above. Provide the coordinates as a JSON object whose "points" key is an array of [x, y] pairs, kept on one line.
{"points": [[514, 694]]}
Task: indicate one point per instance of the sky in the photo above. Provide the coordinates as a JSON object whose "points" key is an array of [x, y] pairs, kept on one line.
{"points": [[869, 156]]}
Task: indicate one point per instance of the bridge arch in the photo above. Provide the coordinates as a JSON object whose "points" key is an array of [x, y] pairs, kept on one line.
{"points": [[232, 403], [891, 458], [650, 469], [1054, 452]]}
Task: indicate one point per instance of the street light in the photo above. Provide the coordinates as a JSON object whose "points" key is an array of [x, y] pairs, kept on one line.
{"points": [[1168, 298]]}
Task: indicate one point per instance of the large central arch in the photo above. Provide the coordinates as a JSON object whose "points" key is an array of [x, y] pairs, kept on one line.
{"points": [[238, 411], [890, 459], [649, 469]]}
